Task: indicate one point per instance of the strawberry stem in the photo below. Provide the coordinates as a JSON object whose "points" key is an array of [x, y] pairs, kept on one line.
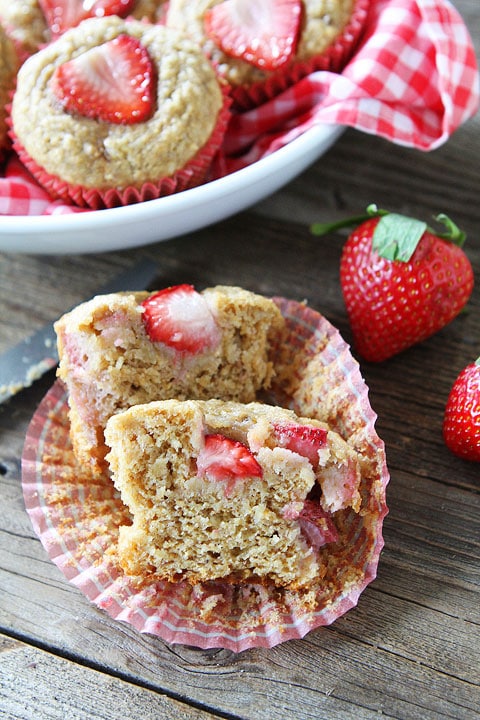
{"points": [[325, 228], [451, 233]]}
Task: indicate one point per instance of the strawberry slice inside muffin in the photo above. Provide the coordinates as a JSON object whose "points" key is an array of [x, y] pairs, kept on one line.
{"points": [[113, 82], [207, 504], [264, 34], [225, 460], [317, 525], [302, 439]]}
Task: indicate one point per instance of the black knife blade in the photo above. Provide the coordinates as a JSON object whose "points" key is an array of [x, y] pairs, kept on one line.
{"points": [[26, 362]]}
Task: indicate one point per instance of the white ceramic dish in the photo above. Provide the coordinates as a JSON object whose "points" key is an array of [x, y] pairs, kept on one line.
{"points": [[168, 217]]}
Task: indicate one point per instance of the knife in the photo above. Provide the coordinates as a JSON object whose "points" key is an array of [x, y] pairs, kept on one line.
{"points": [[21, 365]]}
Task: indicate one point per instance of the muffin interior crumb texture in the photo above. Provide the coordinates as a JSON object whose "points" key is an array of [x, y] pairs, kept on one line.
{"points": [[194, 524], [109, 362]]}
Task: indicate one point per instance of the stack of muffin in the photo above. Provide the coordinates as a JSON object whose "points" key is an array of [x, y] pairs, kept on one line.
{"points": [[164, 393]]}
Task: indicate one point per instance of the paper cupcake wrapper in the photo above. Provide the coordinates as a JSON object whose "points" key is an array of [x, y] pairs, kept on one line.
{"points": [[334, 58], [192, 174], [77, 515]]}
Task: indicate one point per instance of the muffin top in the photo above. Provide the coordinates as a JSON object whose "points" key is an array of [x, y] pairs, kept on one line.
{"points": [[25, 23], [312, 28], [29, 24], [97, 153], [9, 63]]}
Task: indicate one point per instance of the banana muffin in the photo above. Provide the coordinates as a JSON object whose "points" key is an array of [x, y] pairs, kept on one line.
{"points": [[125, 349], [226, 491], [34, 23], [25, 23], [118, 111], [261, 48], [9, 63]]}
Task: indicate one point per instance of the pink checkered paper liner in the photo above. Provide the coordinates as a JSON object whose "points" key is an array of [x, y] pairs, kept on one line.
{"points": [[413, 81], [77, 516]]}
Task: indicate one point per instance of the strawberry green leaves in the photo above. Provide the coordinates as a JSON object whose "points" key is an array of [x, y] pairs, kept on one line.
{"points": [[396, 236]]}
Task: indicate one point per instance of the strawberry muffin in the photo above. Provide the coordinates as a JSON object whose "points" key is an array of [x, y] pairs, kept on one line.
{"points": [[25, 23], [261, 48], [226, 491], [9, 63], [60, 15], [34, 23], [118, 111], [125, 349]]}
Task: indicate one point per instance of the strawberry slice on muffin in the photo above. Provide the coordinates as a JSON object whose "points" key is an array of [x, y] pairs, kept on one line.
{"points": [[113, 82]]}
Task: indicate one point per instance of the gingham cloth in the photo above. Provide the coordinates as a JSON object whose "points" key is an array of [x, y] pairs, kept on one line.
{"points": [[413, 80]]}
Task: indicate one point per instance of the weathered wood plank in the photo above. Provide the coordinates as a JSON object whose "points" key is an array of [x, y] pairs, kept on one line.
{"points": [[36, 684], [411, 647]]}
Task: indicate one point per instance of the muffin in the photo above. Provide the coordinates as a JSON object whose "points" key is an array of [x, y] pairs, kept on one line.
{"points": [[25, 23], [89, 141], [262, 49], [226, 491], [34, 23], [64, 14], [125, 349], [9, 63], [77, 514]]}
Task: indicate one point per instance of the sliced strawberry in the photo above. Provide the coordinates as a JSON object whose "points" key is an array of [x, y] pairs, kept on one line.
{"points": [[339, 485], [264, 34], [226, 460], [64, 14], [114, 82], [317, 525], [302, 439], [179, 317]]}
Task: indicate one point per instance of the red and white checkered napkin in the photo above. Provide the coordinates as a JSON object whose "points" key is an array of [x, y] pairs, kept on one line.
{"points": [[413, 80]]}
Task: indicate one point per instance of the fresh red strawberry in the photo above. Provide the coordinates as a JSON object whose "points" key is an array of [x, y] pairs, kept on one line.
{"points": [[317, 525], [461, 424], [226, 460], [264, 34], [180, 317], [401, 281], [64, 14], [302, 439], [114, 82]]}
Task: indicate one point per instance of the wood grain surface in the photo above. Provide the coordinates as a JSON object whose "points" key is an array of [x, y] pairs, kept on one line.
{"points": [[411, 648]]}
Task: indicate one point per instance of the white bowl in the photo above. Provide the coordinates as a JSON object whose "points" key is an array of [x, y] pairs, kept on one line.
{"points": [[168, 217]]}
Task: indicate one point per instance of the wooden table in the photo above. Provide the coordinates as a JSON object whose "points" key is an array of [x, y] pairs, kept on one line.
{"points": [[411, 648]]}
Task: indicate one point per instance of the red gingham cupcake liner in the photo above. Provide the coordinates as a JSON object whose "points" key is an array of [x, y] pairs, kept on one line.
{"points": [[77, 515]]}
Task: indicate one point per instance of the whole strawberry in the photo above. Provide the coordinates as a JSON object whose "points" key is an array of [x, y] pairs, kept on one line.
{"points": [[401, 281], [461, 423]]}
